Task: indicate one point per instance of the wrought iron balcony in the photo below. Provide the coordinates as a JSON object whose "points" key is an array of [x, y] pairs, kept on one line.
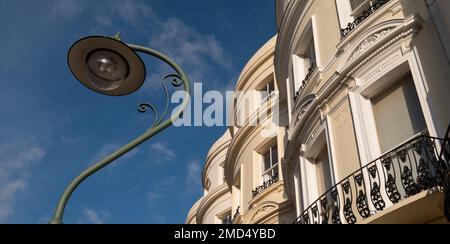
{"points": [[404, 172], [308, 76], [364, 15], [265, 186]]}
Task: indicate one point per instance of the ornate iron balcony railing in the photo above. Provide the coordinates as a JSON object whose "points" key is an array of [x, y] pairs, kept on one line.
{"points": [[364, 15], [445, 155], [265, 186], [308, 76], [404, 172]]}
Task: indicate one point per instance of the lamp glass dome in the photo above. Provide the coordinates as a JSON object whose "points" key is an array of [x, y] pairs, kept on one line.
{"points": [[106, 69]]}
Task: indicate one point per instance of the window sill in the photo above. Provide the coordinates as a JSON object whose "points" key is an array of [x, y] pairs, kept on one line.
{"points": [[265, 193]]}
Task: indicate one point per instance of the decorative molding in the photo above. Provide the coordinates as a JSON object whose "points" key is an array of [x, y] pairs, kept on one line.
{"points": [[369, 42], [381, 67], [404, 33], [208, 185], [207, 201], [304, 109], [264, 211], [381, 49]]}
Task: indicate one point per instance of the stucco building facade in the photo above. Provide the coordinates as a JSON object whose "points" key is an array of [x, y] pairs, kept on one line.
{"points": [[361, 110], [367, 89], [251, 167]]}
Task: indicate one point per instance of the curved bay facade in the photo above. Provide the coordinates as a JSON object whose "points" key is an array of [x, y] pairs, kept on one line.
{"points": [[252, 167], [367, 89], [357, 94], [215, 206]]}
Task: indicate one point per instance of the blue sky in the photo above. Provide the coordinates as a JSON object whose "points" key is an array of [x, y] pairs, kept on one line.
{"points": [[52, 128]]}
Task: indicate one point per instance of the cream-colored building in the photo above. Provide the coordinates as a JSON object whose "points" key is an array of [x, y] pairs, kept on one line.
{"points": [[367, 84], [357, 97], [215, 206], [252, 166]]}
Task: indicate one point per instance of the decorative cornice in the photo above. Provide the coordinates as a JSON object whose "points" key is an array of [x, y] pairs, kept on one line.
{"points": [[263, 212], [363, 52], [387, 9], [211, 157], [209, 199], [369, 42], [193, 211], [265, 53], [242, 136], [294, 15]]}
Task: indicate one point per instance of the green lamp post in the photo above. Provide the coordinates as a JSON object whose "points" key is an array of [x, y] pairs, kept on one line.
{"points": [[111, 67]]}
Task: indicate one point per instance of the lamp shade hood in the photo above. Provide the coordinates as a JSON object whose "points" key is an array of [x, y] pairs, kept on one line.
{"points": [[107, 66]]}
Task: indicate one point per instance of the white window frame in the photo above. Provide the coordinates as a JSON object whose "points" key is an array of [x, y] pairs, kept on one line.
{"points": [[392, 66], [266, 93], [309, 185], [300, 70], [359, 9], [221, 174], [346, 12], [271, 170]]}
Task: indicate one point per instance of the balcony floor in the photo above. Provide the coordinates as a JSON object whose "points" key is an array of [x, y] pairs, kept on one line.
{"points": [[423, 208]]}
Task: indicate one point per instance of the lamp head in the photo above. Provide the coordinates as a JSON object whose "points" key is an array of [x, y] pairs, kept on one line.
{"points": [[106, 65]]}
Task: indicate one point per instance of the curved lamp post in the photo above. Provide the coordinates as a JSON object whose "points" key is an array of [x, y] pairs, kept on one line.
{"points": [[110, 67]]}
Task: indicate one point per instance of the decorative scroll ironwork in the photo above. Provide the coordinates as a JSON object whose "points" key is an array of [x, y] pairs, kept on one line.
{"points": [[364, 15], [176, 81], [348, 210], [264, 186], [335, 217], [406, 171], [325, 210], [444, 155]]}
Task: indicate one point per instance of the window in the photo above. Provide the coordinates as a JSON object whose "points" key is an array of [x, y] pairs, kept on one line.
{"points": [[310, 56], [305, 59], [270, 167], [226, 219], [356, 3], [324, 178], [398, 114], [267, 91], [359, 6], [222, 174]]}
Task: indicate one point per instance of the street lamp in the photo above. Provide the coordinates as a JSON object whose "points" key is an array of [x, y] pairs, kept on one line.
{"points": [[111, 67]]}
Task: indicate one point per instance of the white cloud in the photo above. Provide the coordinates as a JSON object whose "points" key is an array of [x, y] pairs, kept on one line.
{"points": [[161, 153], [131, 11], [8, 197], [198, 54], [67, 8], [201, 55], [94, 217], [17, 156]]}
